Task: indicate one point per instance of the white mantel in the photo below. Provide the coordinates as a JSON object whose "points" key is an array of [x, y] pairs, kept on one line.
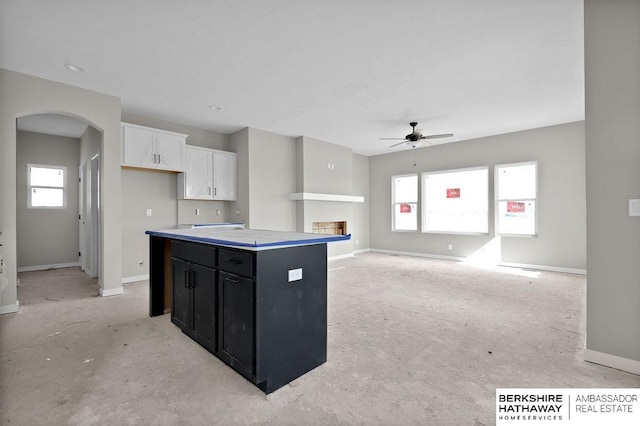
{"points": [[312, 196]]}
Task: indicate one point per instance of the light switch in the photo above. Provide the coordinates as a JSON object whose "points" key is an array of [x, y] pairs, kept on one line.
{"points": [[148, 212], [634, 207]]}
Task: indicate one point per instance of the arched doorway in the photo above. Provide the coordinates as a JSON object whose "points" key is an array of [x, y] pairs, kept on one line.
{"points": [[57, 205]]}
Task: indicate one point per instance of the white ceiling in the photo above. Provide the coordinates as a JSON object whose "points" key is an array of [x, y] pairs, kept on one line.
{"points": [[347, 72]]}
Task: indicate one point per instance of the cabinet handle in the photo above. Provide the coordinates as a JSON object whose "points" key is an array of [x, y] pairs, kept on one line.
{"points": [[154, 159], [232, 280], [215, 191], [186, 279], [192, 279], [158, 158], [234, 261], [209, 193]]}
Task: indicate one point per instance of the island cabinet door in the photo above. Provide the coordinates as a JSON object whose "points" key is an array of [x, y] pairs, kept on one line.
{"points": [[181, 313], [203, 284], [236, 302]]}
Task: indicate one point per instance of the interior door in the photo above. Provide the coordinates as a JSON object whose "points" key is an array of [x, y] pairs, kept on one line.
{"points": [[81, 218]]}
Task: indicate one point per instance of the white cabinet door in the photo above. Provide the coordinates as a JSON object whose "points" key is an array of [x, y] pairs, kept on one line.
{"points": [[170, 151], [138, 147], [152, 148], [224, 175], [197, 177]]}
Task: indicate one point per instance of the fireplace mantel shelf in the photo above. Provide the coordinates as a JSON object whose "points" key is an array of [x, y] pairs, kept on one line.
{"points": [[312, 196]]}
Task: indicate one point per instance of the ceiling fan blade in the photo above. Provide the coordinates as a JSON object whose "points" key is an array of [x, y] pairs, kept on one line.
{"points": [[396, 144], [392, 139], [444, 135]]}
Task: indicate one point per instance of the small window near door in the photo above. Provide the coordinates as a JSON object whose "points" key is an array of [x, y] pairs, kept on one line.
{"points": [[47, 185]]}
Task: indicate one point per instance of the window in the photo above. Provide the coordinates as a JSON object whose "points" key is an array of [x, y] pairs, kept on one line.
{"points": [[516, 193], [456, 201], [405, 202], [47, 186]]}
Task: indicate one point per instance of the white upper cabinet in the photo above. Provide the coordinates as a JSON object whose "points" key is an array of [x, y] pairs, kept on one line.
{"points": [[209, 175], [224, 175], [197, 181], [152, 148]]}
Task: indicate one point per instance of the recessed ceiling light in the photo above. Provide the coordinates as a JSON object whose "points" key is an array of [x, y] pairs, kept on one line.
{"points": [[74, 68], [215, 107]]}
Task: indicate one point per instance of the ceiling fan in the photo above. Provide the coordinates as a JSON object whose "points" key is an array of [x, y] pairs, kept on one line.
{"points": [[416, 138]]}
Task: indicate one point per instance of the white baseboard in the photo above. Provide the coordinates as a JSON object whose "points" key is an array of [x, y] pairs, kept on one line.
{"points": [[135, 278], [613, 361], [507, 264], [340, 256], [9, 309], [361, 251], [414, 254], [545, 268], [111, 291], [45, 267]]}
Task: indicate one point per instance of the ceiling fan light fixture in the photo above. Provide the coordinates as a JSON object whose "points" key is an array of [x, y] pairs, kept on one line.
{"points": [[215, 107]]}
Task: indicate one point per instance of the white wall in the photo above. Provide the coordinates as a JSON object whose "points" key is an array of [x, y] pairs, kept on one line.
{"points": [[612, 40], [47, 237], [26, 95], [559, 150]]}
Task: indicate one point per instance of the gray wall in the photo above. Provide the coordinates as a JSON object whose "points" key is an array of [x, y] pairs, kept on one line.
{"points": [[360, 226], [47, 236], [272, 174], [266, 177], [314, 176], [559, 150], [148, 189], [612, 37], [239, 143], [24, 95]]}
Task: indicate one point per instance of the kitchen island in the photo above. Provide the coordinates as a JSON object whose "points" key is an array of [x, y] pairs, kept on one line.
{"points": [[255, 299]]}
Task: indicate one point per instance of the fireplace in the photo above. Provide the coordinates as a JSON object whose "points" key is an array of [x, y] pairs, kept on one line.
{"points": [[331, 228]]}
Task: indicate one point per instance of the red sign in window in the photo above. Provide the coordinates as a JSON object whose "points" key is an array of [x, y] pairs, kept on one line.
{"points": [[453, 193], [405, 208], [515, 207]]}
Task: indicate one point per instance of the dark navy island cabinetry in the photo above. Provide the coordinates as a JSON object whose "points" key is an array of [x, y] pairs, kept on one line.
{"points": [[260, 307]]}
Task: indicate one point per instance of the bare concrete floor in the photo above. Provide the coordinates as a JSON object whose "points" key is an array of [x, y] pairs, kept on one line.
{"points": [[411, 341]]}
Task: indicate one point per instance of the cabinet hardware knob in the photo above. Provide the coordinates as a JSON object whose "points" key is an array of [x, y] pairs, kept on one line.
{"points": [[232, 280]]}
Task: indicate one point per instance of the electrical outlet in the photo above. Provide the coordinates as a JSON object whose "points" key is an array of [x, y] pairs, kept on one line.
{"points": [[148, 212], [450, 246], [238, 211], [197, 212], [295, 274], [218, 212]]}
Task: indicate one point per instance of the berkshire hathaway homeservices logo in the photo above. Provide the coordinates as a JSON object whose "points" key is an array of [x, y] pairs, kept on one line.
{"points": [[619, 406]]}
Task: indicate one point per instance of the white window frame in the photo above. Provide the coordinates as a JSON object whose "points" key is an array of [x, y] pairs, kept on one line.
{"points": [[63, 187], [423, 200], [394, 203], [496, 171]]}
